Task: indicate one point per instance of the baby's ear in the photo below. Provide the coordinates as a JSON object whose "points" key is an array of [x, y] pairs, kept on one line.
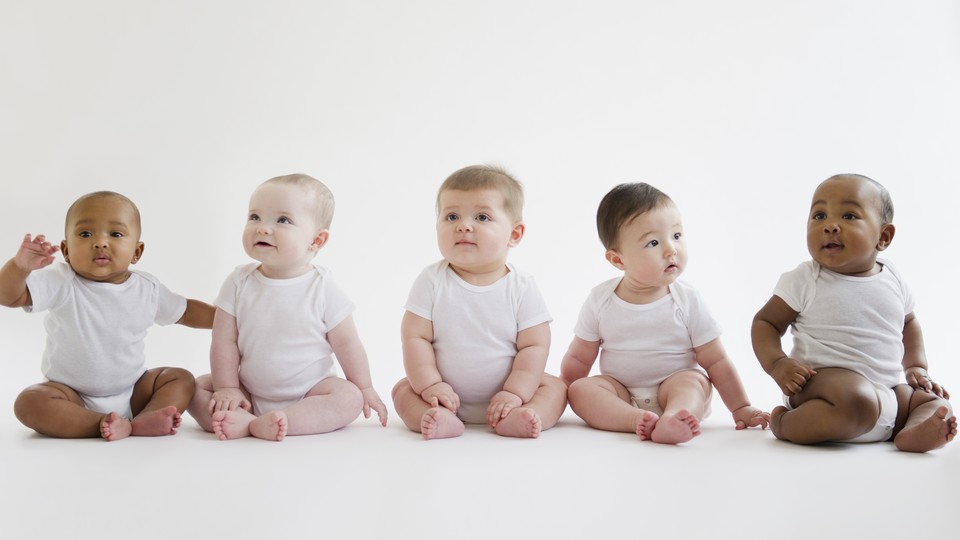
{"points": [[517, 234], [886, 236], [320, 239], [614, 258], [137, 253]]}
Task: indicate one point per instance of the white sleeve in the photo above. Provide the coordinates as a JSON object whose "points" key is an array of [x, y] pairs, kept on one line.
{"points": [[421, 297]]}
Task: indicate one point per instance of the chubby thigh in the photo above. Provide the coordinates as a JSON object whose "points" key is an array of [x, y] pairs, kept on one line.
{"points": [[853, 396]]}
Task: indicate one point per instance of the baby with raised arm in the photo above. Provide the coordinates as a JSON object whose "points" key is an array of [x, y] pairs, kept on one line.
{"points": [[476, 331], [97, 383], [279, 324], [855, 336], [659, 347]]}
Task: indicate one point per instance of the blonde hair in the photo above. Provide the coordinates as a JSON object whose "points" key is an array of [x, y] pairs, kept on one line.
{"points": [[478, 177], [319, 194]]}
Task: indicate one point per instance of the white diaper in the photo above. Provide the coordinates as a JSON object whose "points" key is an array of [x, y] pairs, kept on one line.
{"points": [[883, 429], [119, 403], [646, 399], [473, 413]]}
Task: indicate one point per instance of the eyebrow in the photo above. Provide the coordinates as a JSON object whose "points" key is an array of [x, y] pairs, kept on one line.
{"points": [[85, 222], [847, 202]]}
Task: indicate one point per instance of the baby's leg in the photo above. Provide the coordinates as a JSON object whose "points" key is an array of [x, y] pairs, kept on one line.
{"points": [[835, 405], [328, 406], [540, 413], [683, 397], [159, 398], [57, 410], [199, 407], [419, 416], [929, 423], [603, 403]]}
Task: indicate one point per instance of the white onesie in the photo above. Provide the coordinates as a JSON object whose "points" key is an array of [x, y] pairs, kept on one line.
{"points": [[96, 331], [854, 323], [283, 325], [475, 329], [643, 344]]}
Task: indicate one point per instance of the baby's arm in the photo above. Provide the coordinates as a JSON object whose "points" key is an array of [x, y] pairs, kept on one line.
{"points": [[533, 347], [723, 374], [769, 325], [420, 363], [34, 254], [578, 361], [225, 365], [346, 345], [198, 315], [915, 359]]}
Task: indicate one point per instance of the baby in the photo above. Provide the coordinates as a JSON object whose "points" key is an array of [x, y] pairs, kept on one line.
{"points": [[476, 330], [855, 336], [279, 323], [660, 352], [97, 383]]}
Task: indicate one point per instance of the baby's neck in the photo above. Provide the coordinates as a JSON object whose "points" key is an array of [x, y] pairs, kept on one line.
{"points": [[633, 294], [481, 277]]}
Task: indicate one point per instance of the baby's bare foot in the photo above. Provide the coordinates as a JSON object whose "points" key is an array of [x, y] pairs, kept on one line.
{"points": [[270, 427], [232, 424], [775, 418], [522, 422], [930, 434], [159, 422], [675, 429], [646, 424], [440, 423], [114, 427]]}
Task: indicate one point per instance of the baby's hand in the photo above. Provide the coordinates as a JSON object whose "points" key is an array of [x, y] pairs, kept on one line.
{"points": [[918, 378], [791, 375], [35, 253], [749, 416], [371, 400], [441, 395], [500, 406], [228, 399]]}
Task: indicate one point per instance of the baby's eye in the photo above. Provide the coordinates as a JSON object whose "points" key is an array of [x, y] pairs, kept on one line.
{"points": [[283, 219], [483, 218], [116, 234], [818, 216], [849, 216], [85, 234], [253, 217], [653, 243], [451, 217], [676, 236]]}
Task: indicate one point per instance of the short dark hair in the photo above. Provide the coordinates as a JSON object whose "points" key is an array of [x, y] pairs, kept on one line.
{"points": [[623, 203], [886, 201]]}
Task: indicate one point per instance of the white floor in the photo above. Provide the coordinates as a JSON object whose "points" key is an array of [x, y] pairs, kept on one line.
{"points": [[371, 482], [736, 109]]}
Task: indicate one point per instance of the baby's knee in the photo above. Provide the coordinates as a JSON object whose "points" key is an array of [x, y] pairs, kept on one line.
{"points": [[862, 405], [402, 386]]}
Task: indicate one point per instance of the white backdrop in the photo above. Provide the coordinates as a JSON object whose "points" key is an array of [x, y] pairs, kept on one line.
{"points": [[736, 109]]}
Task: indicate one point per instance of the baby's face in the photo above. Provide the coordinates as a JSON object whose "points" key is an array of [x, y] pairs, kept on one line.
{"points": [[281, 230], [102, 239], [474, 232], [651, 249], [844, 229]]}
